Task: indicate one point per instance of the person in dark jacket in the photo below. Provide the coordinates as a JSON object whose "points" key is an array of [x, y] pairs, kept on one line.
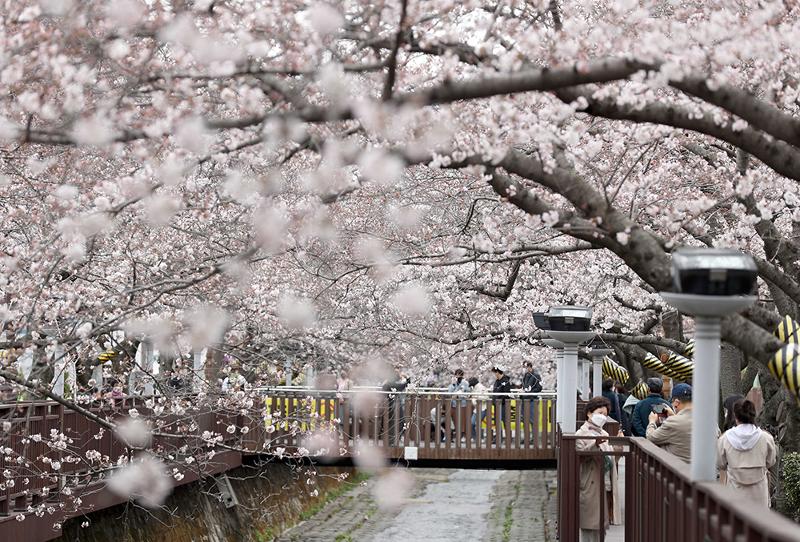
{"points": [[643, 408], [531, 380], [608, 392], [502, 386]]}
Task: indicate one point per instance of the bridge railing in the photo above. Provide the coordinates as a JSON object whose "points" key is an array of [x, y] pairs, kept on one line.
{"points": [[44, 446], [662, 504], [412, 424]]}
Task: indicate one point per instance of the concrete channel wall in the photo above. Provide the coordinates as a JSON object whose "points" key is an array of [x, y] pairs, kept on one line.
{"points": [[270, 498]]}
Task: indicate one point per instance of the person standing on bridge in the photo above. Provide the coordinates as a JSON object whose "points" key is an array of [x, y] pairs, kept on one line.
{"points": [[746, 453], [502, 387], [458, 408], [598, 474], [479, 398], [675, 433], [644, 407]]}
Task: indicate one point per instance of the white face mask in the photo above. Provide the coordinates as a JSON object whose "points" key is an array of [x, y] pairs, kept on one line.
{"points": [[599, 419]]}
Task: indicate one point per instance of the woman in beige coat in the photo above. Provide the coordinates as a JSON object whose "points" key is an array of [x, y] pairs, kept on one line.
{"points": [[745, 453], [594, 470]]}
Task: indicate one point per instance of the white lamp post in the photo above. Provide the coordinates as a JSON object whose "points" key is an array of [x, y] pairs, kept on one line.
{"points": [[558, 347], [584, 378], [597, 374], [709, 284], [569, 325]]}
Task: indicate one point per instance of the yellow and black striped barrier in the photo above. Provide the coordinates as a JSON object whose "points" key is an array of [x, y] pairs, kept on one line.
{"points": [[640, 391], [688, 351], [785, 364], [652, 362], [613, 370], [681, 366], [788, 331], [108, 355]]}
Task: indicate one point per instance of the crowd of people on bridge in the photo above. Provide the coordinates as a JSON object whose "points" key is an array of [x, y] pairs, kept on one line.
{"points": [[745, 452]]}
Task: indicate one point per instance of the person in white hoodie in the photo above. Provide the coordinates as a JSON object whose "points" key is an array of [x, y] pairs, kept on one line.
{"points": [[745, 453]]}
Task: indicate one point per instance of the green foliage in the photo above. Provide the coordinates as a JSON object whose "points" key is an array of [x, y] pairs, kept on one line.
{"points": [[341, 537], [791, 481], [267, 535], [333, 494]]}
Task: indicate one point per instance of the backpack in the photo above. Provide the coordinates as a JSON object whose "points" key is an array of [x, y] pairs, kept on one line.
{"points": [[536, 387]]}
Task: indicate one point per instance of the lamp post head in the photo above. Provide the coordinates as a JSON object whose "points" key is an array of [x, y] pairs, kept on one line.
{"points": [[541, 320], [713, 271], [711, 281], [569, 318]]}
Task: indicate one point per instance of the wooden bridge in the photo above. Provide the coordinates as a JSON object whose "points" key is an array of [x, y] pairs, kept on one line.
{"points": [[413, 426], [418, 427]]}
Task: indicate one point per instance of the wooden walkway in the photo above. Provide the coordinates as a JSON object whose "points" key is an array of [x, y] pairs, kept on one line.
{"points": [[410, 426]]}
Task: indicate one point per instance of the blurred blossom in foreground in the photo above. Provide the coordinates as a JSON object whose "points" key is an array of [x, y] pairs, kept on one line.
{"points": [[393, 488], [368, 458], [134, 432], [412, 300], [145, 480], [297, 312], [321, 444], [207, 324]]}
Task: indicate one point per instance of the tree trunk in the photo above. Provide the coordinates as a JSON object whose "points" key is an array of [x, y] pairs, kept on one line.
{"points": [[672, 324], [730, 375]]}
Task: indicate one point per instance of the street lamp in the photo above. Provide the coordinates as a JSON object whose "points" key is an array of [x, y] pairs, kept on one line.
{"points": [[570, 326], [708, 284]]}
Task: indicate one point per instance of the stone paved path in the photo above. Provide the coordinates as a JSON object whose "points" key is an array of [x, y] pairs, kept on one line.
{"points": [[446, 505]]}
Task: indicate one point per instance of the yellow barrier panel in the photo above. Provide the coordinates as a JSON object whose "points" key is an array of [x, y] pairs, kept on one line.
{"points": [[290, 409]]}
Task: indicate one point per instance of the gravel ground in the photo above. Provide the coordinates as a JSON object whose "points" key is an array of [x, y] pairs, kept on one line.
{"points": [[445, 505]]}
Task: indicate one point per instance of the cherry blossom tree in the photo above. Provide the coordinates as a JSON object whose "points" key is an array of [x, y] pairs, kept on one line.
{"points": [[332, 183]]}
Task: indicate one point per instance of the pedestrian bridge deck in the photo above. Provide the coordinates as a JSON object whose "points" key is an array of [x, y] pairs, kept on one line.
{"points": [[424, 426], [661, 503]]}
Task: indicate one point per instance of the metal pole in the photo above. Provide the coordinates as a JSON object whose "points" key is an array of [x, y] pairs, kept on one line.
{"points": [[569, 395], [705, 399], [287, 371], [597, 375], [559, 386], [585, 368]]}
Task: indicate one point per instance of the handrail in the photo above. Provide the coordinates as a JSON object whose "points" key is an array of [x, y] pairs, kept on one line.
{"points": [[409, 391], [663, 504]]}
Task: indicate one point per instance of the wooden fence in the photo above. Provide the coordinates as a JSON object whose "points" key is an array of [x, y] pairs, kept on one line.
{"points": [[413, 426], [662, 504]]}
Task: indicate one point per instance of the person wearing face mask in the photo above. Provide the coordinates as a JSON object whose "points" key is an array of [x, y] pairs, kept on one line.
{"points": [[675, 434], [597, 478]]}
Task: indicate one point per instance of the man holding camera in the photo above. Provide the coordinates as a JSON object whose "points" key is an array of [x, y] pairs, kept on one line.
{"points": [[674, 434], [646, 406]]}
